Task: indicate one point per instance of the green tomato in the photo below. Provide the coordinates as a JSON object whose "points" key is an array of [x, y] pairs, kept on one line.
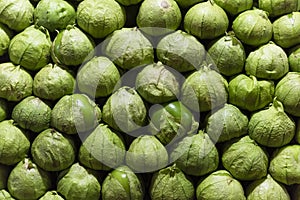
{"points": [[102, 149], [266, 188], [76, 183], [15, 145], [51, 195], [286, 30], [272, 127], [195, 155], [277, 8], [72, 47], [157, 83], [74, 114], [288, 93], [285, 164], [100, 18], [198, 92], [99, 70], [250, 94], [187, 3], [171, 122], [125, 110], [54, 14], [234, 7], [136, 51], [248, 27], [146, 154], [178, 50], [269, 61], [212, 20], [171, 183], [27, 181], [165, 16], [53, 82], [4, 194], [31, 48], [226, 123], [15, 82], [32, 114], [228, 54], [220, 185], [52, 151], [5, 37], [294, 59], [126, 184], [16, 14], [244, 159]]}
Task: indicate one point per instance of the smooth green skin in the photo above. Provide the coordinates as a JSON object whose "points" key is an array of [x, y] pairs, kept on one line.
{"points": [[198, 92], [248, 93], [171, 122], [51, 195], [52, 151], [272, 127], [102, 149], [220, 185], [14, 144], [244, 159], [277, 8], [136, 51], [74, 114], [226, 123], [4, 112], [206, 20], [195, 155], [178, 50], [158, 83], [125, 110], [53, 82], [5, 36], [126, 185], [228, 54], [32, 114], [158, 17], [16, 14], [288, 93], [286, 30], [187, 3], [15, 82], [77, 183], [171, 183], [100, 70], [234, 7], [27, 181], [129, 2], [294, 59], [4, 172], [5, 195], [100, 18], [54, 14], [284, 166], [72, 47], [269, 61], [146, 154], [31, 48], [253, 27], [266, 188]]}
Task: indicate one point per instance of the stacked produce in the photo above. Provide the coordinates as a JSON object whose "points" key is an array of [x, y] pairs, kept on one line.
{"points": [[150, 99]]}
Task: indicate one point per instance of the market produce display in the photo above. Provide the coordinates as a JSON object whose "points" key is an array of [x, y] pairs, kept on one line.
{"points": [[150, 99]]}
